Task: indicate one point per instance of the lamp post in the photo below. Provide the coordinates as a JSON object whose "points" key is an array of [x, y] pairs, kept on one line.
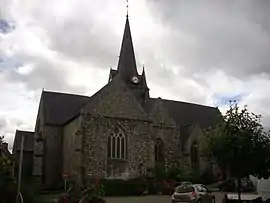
{"points": [[19, 196]]}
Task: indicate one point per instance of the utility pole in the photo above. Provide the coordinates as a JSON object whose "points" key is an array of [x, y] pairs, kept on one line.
{"points": [[19, 196]]}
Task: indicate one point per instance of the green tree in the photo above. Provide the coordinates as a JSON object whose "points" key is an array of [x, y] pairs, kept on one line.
{"points": [[239, 145], [7, 186], [5, 160]]}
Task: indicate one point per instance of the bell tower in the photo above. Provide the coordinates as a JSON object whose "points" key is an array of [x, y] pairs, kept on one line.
{"points": [[127, 68]]}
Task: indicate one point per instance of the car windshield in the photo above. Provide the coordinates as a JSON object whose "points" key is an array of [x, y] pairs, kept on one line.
{"points": [[184, 189]]}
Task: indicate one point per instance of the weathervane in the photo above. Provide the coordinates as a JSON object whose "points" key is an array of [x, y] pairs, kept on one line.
{"points": [[127, 7]]}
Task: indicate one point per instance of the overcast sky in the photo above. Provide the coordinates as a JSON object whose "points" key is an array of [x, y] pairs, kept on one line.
{"points": [[202, 51]]}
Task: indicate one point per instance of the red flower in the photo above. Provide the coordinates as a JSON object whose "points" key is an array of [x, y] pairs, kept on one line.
{"points": [[165, 183], [97, 181]]}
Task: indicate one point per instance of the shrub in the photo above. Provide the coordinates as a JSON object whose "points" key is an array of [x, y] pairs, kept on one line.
{"points": [[152, 186], [8, 191], [207, 177], [195, 176], [183, 175], [160, 172]]}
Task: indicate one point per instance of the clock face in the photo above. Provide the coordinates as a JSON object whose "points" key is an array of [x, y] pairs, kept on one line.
{"points": [[135, 79]]}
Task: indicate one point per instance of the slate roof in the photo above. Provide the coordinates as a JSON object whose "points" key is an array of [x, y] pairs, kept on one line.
{"points": [[28, 141], [185, 113], [58, 107]]}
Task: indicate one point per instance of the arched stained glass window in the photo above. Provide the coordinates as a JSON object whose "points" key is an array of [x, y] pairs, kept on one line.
{"points": [[117, 144]]}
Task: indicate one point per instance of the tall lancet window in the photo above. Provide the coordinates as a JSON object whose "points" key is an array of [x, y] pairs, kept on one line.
{"points": [[159, 150], [194, 155], [117, 144]]}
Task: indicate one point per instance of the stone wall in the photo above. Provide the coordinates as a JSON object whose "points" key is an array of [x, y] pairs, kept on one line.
{"points": [[140, 147], [52, 158], [116, 100], [170, 138], [71, 147], [38, 159], [27, 164], [195, 136], [95, 139], [38, 145], [164, 127]]}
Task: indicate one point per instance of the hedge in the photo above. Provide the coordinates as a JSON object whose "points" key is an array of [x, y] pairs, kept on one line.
{"points": [[124, 187]]}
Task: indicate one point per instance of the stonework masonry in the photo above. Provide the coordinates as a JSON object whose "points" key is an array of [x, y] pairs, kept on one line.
{"points": [[95, 140]]}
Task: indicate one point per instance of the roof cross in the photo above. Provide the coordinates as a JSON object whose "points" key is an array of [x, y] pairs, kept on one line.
{"points": [[127, 7]]}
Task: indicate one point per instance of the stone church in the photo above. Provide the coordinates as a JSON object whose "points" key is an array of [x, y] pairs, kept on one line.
{"points": [[120, 132]]}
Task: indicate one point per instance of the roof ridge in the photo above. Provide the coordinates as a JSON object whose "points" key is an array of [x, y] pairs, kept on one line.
{"points": [[187, 103], [27, 131], [65, 93]]}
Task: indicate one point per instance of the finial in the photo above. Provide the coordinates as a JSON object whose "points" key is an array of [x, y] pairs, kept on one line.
{"points": [[127, 8], [143, 70]]}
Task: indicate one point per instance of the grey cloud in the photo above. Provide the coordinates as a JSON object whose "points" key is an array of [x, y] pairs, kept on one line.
{"points": [[259, 105], [86, 42], [5, 6], [46, 74], [3, 124], [210, 34], [199, 35], [6, 26], [8, 127], [9, 62], [84, 36]]}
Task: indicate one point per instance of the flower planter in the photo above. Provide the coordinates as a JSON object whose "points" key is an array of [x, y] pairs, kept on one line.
{"points": [[98, 201]]}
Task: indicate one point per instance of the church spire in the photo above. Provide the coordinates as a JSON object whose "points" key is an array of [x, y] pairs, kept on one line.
{"points": [[127, 62]]}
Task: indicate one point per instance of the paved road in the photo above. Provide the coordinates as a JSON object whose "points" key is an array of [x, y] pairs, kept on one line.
{"points": [[150, 199]]}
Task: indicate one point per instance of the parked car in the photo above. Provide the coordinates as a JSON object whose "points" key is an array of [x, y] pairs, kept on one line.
{"points": [[231, 185], [245, 198], [262, 187], [193, 193], [176, 184], [169, 186]]}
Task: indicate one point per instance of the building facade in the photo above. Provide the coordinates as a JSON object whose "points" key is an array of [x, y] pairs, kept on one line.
{"points": [[119, 132]]}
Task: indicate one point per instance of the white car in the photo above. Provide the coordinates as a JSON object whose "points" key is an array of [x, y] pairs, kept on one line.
{"points": [[193, 193]]}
